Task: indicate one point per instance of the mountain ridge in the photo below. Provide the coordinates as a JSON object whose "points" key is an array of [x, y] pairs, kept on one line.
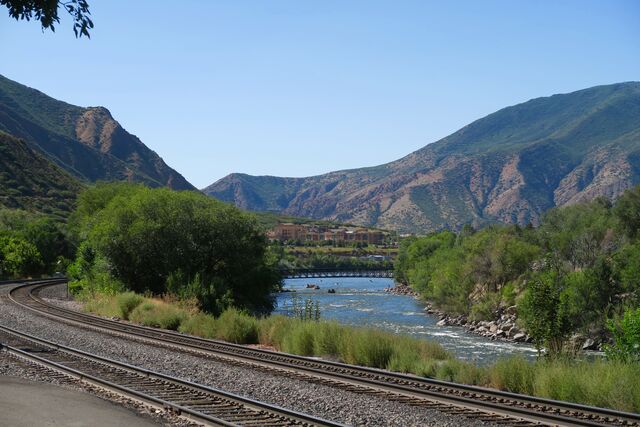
{"points": [[87, 142], [509, 166]]}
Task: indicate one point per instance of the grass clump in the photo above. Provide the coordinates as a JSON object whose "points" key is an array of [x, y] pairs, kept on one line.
{"points": [[103, 305], [237, 327], [513, 374], [199, 324], [600, 383], [127, 302], [300, 338], [158, 314]]}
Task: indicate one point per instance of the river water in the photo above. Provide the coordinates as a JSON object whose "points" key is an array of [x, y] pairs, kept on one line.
{"points": [[363, 302]]}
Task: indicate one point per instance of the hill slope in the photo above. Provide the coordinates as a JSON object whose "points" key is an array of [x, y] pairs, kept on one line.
{"points": [[87, 142], [510, 166], [29, 181]]}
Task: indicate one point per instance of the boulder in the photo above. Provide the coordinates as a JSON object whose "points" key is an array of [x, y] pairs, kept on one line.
{"points": [[512, 310], [442, 322], [519, 337], [493, 328], [589, 344]]}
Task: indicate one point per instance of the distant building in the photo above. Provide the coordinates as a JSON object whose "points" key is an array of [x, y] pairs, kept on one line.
{"points": [[288, 231], [302, 232]]}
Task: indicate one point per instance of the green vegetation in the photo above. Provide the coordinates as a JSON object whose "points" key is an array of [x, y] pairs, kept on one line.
{"points": [[87, 143], [31, 244], [182, 243], [602, 383], [572, 274], [47, 13], [29, 181]]}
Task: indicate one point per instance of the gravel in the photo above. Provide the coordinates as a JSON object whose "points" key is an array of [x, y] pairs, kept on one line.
{"points": [[323, 401], [12, 366]]}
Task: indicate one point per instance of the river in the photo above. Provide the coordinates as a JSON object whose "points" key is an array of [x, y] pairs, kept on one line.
{"points": [[363, 302]]}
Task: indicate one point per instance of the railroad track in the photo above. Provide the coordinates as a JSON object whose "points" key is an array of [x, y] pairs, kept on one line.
{"points": [[193, 401], [474, 402]]}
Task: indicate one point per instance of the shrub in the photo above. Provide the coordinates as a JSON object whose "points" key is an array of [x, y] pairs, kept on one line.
{"points": [[237, 327], [273, 329], [151, 313], [626, 337], [368, 347], [513, 374], [127, 302], [200, 324], [328, 338], [300, 339]]}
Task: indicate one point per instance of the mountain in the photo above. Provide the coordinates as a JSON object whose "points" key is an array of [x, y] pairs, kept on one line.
{"points": [[87, 142], [510, 166], [30, 181]]}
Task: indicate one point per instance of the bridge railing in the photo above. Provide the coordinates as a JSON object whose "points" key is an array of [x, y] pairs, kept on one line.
{"points": [[335, 272]]}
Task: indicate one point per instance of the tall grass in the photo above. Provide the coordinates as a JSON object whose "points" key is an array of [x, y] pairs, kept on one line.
{"points": [[127, 302], [159, 315], [600, 383]]}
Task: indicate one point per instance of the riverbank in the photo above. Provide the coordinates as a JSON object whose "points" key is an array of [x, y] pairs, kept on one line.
{"points": [[502, 327]]}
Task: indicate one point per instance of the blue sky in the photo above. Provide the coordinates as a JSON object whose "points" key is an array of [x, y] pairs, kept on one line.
{"points": [[293, 88]]}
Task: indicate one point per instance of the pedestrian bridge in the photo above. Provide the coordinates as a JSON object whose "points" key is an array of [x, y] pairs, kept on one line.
{"points": [[334, 272]]}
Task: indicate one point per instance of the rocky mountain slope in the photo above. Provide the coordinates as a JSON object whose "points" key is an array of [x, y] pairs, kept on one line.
{"points": [[510, 166], [87, 142], [30, 181]]}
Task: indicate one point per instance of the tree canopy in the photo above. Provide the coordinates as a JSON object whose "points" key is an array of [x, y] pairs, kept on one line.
{"points": [[46, 11], [184, 243]]}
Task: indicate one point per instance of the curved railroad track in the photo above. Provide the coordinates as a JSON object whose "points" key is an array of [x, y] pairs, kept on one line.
{"points": [[193, 401], [474, 402]]}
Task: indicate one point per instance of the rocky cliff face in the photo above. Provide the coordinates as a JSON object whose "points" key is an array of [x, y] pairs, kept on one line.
{"points": [[510, 166], [87, 142]]}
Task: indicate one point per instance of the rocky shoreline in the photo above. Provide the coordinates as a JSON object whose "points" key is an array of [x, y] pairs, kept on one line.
{"points": [[503, 327]]}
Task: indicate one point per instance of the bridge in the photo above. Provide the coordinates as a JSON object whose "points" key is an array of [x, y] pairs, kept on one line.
{"points": [[301, 273]]}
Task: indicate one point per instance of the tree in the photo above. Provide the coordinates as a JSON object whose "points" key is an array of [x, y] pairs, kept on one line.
{"points": [[46, 11], [626, 337], [18, 258], [627, 212], [546, 313], [185, 243]]}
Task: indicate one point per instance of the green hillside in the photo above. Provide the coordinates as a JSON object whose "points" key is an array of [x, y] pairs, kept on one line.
{"points": [[87, 142], [29, 181]]}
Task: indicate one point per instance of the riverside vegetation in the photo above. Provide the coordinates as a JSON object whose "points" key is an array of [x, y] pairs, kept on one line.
{"points": [[577, 274], [182, 261]]}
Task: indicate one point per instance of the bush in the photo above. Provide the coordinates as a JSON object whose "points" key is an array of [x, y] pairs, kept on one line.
{"points": [[300, 339], [200, 324], [237, 327], [626, 337], [127, 302], [368, 347], [273, 329], [513, 374], [159, 315]]}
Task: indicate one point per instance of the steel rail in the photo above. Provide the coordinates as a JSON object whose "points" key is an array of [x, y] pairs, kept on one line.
{"points": [[120, 380], [493, 401]]}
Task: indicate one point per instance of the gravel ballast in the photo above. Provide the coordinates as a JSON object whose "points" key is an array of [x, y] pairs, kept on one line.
{"points": [[319, 400]]}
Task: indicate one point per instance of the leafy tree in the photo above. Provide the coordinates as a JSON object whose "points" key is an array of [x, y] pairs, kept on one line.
{"points": [[627, 212], [546, 312], [45, 233], [18, 258], [181, 242], [626, 337], [46, 11]]}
